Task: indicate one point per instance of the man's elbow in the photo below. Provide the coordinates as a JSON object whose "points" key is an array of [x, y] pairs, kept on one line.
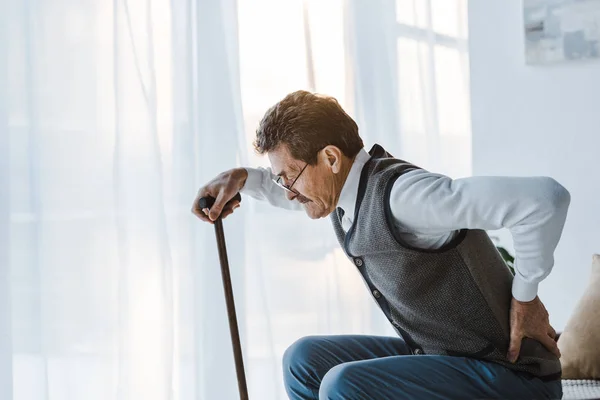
{"points": [[558, 196]]}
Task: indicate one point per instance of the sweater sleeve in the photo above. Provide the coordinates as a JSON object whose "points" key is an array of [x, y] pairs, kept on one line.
{"points": [[259, 185]]}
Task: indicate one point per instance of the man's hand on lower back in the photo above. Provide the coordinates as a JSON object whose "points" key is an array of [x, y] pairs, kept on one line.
{"points": [[530, 319]]}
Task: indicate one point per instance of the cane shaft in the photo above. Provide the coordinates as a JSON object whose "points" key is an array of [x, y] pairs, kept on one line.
{"points": [[231, 314]]}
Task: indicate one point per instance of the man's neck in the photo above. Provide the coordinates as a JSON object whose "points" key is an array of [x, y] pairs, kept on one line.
{"points": [[343, 176]]}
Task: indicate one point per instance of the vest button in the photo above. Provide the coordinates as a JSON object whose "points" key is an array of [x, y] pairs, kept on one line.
{"points": [[376, 293], [358, 262]]}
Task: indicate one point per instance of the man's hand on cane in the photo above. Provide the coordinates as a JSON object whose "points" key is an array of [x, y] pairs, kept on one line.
{"points": [[223, 188]]}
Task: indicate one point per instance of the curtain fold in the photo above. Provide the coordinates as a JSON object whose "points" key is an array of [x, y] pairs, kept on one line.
{"points": [[218, 148], [6, 373], [371, 29]]}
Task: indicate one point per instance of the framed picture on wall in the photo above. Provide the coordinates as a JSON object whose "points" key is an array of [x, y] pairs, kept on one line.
{"points": [[561, 30]]}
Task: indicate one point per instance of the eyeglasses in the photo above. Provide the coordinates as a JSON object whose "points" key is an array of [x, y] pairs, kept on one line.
{"points": [[279, 182]]}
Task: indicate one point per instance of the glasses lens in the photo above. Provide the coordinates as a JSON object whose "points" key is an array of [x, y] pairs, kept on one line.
{"points": [[280, 183]]}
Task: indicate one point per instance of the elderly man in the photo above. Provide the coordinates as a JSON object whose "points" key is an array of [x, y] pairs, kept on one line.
{"points": [[467, 328]]}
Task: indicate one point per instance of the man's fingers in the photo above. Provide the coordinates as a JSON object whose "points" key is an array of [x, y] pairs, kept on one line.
{"points": [[217, 207], [200, 214], [233, 204], [550, 345], [226, 213], [514, 348], [552, 332], [203, 192], [229, 209], [222, 203]]}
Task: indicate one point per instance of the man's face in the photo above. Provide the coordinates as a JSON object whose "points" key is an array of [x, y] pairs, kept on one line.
{"points": [[317, 185]]}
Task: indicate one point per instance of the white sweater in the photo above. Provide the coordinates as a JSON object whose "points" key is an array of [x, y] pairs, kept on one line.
{"points": [[429, 209]]}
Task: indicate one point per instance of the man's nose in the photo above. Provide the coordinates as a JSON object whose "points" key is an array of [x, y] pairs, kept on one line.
{"points": [[291, 196]]}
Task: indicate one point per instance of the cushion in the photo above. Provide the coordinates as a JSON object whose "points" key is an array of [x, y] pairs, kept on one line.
{"points": [[580, 389], [579, 343]]}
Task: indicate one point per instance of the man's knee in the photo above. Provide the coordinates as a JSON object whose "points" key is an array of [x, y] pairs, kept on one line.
{"points": [[340, 383], [298, 359]]}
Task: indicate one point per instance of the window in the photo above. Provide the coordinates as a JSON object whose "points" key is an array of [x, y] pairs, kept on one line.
{"points": [[433, 84]]}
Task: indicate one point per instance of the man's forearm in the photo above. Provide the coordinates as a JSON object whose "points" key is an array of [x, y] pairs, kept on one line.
{"points": [[259, 185], [535, 245]]}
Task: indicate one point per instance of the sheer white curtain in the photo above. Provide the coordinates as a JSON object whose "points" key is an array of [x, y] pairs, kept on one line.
{"points": [[112, 114]]}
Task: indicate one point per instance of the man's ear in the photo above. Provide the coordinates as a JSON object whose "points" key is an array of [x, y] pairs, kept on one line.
{"points": [[332, 155]]}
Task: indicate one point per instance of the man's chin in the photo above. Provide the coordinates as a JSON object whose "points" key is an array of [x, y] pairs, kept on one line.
{"points": [[308, 210], [312, 213]]}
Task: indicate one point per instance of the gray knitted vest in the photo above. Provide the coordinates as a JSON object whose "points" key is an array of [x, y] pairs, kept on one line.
{"points": [[453, 301]]}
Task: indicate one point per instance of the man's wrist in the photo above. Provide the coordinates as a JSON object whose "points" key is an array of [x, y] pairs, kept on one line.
{"points": [[241, 176], [524, 291], [252, 180]]}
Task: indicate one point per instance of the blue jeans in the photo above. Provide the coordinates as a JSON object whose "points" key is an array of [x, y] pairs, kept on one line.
{"points": [[355, 367]]}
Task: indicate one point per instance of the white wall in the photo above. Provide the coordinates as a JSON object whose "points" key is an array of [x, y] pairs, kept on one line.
{"points": [[538, 120]]}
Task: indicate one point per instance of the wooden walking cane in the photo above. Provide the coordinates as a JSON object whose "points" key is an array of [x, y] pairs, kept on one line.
{"points": [[207, 202]]}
